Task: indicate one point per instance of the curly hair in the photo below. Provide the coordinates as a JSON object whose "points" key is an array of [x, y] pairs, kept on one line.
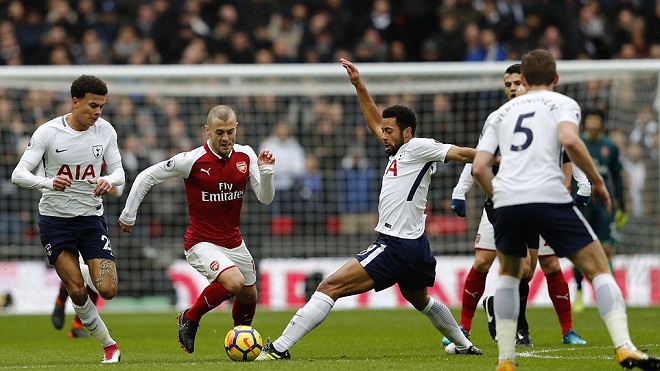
{"points": [[88, 84], [405, 117]]}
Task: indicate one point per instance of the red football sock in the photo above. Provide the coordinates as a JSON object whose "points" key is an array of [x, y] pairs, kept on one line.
{"points": [[243, 313], [561, 299], [212, 296], [475, 284], [62, 295]]}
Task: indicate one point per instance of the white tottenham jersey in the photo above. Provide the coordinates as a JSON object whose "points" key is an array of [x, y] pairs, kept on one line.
{"points": [[78, 155], [405, 187], [525, 130]]}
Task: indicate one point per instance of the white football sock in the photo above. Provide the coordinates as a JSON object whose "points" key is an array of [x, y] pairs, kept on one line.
{"points": [[612, 309], [90, 318], [305, 320], [442, 319], [506, 305]]}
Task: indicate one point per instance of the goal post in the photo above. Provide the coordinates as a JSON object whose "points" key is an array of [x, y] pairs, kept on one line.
{"points": [[330, 210]]}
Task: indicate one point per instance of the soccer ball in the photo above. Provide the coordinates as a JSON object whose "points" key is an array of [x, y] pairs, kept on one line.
{"points": [[243, 343]]}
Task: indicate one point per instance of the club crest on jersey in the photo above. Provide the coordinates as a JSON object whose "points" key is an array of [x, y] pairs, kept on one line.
{"points": [[241, 166], [97, 150], [214, 265]]}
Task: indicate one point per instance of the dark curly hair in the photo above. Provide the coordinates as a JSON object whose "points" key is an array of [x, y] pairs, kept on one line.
{"points": [[88, 84], [405, 117]]}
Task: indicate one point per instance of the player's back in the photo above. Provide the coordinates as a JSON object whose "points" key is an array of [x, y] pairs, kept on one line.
{"points": [[526, 132]]}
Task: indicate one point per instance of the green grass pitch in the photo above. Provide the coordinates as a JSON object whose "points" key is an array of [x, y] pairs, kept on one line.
{"points": [[348, 340]]}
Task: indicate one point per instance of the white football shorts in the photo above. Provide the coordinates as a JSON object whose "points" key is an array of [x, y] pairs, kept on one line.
{"points": [[210, 260]]}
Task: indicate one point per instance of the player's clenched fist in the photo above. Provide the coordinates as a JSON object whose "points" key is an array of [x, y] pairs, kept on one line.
{"points": [[266, 157]]}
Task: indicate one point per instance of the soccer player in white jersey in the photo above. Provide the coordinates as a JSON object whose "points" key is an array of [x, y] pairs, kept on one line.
{"points": [[528, 192], [401, 254], [72, 149], [484, 253], [215, 177]]}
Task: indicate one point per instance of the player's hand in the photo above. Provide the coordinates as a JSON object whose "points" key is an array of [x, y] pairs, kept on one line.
{"points": [[266, 157], [620, 219], [599, 193], [458, 206], [101, 186], [125, 227], [580, 201], [353, 73], [61, 183]]}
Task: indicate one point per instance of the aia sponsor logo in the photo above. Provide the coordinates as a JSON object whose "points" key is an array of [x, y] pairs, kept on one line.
{"points": [[214, 265], [241, 166]]}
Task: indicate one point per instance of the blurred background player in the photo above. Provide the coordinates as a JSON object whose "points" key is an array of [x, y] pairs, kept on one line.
{"points": [[72, 149], [401, 254], [215, 177], [607, 159], [485, 253]]}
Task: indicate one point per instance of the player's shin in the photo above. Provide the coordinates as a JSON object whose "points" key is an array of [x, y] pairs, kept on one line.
{"points": [[612, 309], [93, 323], [507, 307], [305, 320]]}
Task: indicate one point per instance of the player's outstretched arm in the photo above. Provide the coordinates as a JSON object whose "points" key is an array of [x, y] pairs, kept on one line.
{"points": [[483, 172], [461, 154], [465, 182], [369, 109]]}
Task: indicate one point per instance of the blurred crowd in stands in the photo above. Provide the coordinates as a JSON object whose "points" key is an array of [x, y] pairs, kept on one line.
{"points": [[61, 32]]}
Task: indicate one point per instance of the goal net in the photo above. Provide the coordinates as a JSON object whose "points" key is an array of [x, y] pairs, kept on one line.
{"points": [[326, 199]]}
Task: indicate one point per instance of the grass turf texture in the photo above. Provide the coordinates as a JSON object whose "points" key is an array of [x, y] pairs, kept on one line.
{"points": [[347, 340]]}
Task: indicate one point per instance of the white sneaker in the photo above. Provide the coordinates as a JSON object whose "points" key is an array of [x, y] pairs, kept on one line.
{"points": [[111, 354], [471, 351]]}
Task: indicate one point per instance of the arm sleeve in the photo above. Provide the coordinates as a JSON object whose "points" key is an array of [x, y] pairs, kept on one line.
{"points": [[22, 175], [465, 182], [584, 186], [263, 186], [147, 178], [114, 171], [261, 179]]}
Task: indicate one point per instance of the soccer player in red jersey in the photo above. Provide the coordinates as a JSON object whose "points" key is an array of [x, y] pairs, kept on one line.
{"points": [[215, 177]]}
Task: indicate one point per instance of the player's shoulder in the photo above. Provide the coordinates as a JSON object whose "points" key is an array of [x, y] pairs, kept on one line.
{"points": [[244, 149], [54, 124]]}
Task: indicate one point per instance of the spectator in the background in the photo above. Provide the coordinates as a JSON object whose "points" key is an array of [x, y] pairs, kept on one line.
{"points": [[552, 41], [447, 38], [635, 168], [125, 45], [195, 52], [645, 132], [310, 198], [240, 48], [282, 30], [357, 192], [488, 49], [145, 18], [289, 167], [593, 34], [93, 50]]}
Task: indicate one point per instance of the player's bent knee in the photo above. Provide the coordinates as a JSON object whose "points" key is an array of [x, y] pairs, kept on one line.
{"points": [[108, 292]]}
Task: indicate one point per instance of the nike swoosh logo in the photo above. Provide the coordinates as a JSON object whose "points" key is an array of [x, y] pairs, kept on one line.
{"points": [[57, 150]]}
